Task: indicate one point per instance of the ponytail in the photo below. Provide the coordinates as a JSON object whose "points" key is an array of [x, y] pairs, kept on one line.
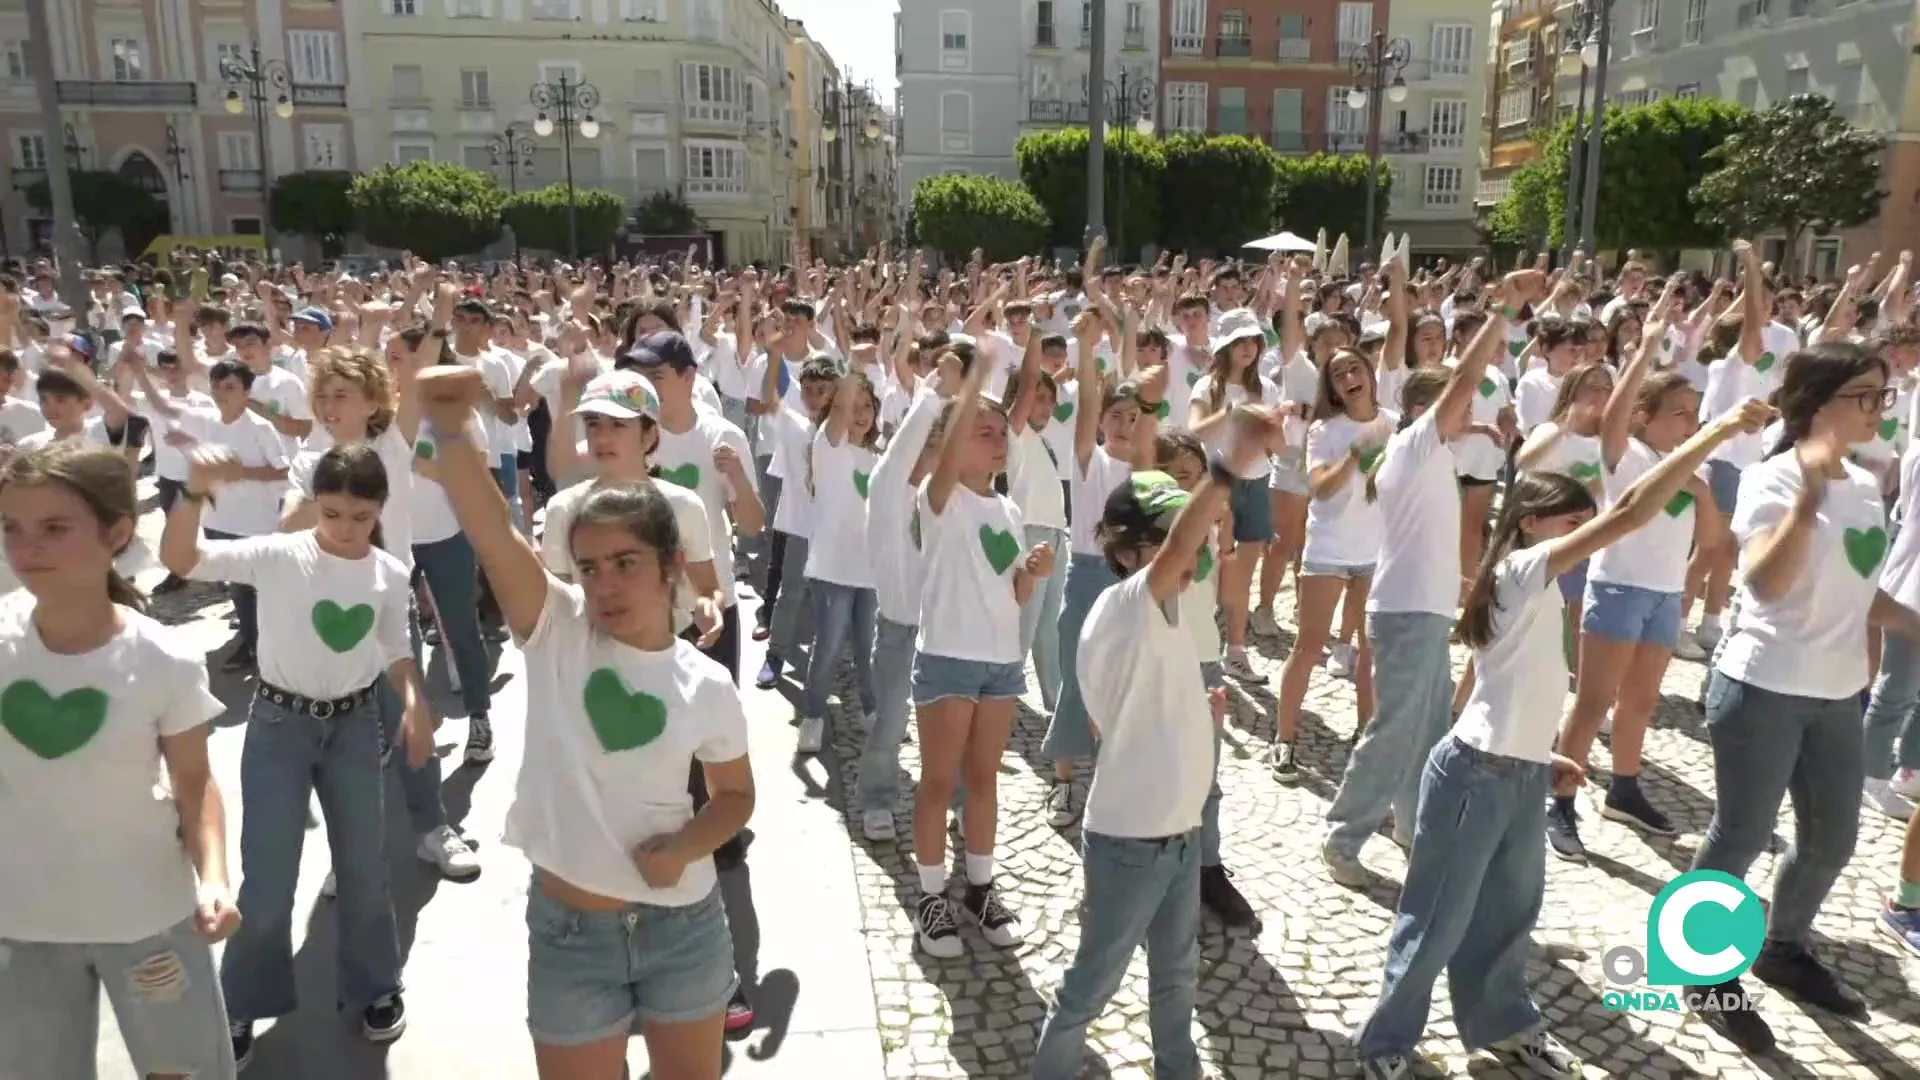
{"points": [[122, 592]]}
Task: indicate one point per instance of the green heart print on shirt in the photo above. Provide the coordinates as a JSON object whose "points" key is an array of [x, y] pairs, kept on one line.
{"points": [[1584, 471], [1516, 347], [1488, 388], [622, 719], [1192, 377], [1889, 428], [341, 628], [1679, 503], [1204, 565], [1764, 364], [52, 727], [1063, 411], [686, 476], [860, 482], [1370, 458], [1865, 549], [1000, 547], [424, 449]]}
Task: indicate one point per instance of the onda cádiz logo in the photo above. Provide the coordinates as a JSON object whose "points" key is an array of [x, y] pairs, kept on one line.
{"points": [[1704, 928]]}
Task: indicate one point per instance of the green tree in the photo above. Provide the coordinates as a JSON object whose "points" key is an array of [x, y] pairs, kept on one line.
{"points": [[1053, 165], [1524, 219], [314, 203], [957, 213], [1793, 167], [1328, 191], [103, 200], [665, 213], [539, 218], [1218, 186], [1651, 158], [434, 209]]}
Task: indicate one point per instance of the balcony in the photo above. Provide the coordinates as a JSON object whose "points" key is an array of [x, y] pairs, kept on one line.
{"points": [[711, 115], [1346, 142], [1056, 112], [1295, 51], [1751, 14], [714, 187], [1043, 37], [241, 180], [1185, 44], [1135, 39], [26, 178], [1405, 142], [1447, 71], [319, 96], [1233, 45], [125, 95]]}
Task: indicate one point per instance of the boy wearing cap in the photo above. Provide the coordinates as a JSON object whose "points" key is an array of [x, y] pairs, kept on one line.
{"points": [[276, 394], [311, 325]]}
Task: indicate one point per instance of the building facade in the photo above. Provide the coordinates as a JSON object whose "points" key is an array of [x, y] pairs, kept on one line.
{"points": [[1059, 60], [811, 74], [681, 96], [141, 92], [1525, 58], [961, 70], [1431, 137]]}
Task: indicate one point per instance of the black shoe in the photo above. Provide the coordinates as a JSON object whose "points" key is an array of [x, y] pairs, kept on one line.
{"points": [[1726, 1009], [1629, 805], [1793, 968], [1563, 829], [241, 1032], [238, 661], [1219, 895], [384, 1020]]}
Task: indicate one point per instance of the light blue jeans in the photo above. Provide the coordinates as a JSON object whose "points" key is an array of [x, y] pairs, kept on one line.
{"points": [[1475, 883], [1040, 616], [1136, 890], [288, 757], [421, 786], [1767, 746], [842, 615], [1413, 702], [1892, 720], [877, 782], [1069, 734], [785, 633], [451, 571]]}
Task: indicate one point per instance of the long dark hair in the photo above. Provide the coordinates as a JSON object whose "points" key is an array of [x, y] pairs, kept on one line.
{"points": [[99, 476], [1813, 377], [1533, 495]]}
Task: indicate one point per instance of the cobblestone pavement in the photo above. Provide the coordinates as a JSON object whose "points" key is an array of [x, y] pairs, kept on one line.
{"points": [[1282, 1001]]}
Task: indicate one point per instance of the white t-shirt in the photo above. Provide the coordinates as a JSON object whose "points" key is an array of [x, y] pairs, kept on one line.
{"points": [[1534, 397], [396, 517], [1571, 455], [1236, 394], [1033, 480], [433, 518], [611, 734], [892, 539], [1901, 577], [842, 476], [972, 551], [1653, 556], [1299, 382], [1812, 641], [696, 542], [283, 393], [89, 834], [790, 433], [1104, 472], [246, 507], [1475, 455], [1060, 430], [1419, 502], [1145, 697], [19, 419], [723, 360], [497, 372], [686, 458], [93, 432], [192, 407], [1344, 529], [1730, 381], [1200, 600], [328, 626], [1520, 679]]}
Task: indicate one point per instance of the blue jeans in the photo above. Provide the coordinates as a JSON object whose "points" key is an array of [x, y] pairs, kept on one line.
{"points": [[1473, 892], [288, 757], [420, 786], [1069, 734], [877, 783], [1766, 746], [506, 473], [1040, 615], [1891, 714], [1413, 701], [1135, 890], [592, 975], [246, 602], [786, 635], [838, 609], [735, 410], [452, 575]]}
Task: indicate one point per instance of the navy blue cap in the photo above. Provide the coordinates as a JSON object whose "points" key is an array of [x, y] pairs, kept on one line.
{"points": [[663, 347]]}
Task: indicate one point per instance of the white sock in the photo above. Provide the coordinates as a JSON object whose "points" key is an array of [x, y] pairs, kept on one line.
{"points": [[1236, 652], [1710, 621], [979, 869], [933, 880]]}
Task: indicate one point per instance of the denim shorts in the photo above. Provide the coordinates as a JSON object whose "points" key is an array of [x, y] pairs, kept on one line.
{"points": [[1321, 569], [1573, 583], [1252, 511], [938, 677], [592, 975], [1723, 479], [165, 993], [1631, 613]]}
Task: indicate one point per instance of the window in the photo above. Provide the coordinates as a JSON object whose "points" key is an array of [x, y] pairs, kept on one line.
{"points": [[1289, 119], [1687, 91], [650, 166], [1747, 92], [956, 122], [476, 91], [479, 156], [1187, 106], [1452, 50], [226, 52], [14, 66], [29, 150], [1294, 43], [406, 152], [324, 146], [238, 151], [408, 83], [1187, 33], [244, 226], [1344, 123], [1695, 26], [1442, 189], [1356, 27], [651, 11], [315, 58], [649, 86], [554, 72], [710, 92], [1849, 98], [1043, 28], [561, 10], [716, 169], [1136, 24], [1447, 124], [402, 8], [1798, 80], [956, 40], [704, 20], [1516, 106], [1649, 19], [1233, 110], [469, 9], [1086, 24], [127, 63], [1233, 23]]}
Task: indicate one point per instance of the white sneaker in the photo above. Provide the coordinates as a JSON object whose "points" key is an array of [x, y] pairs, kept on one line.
{"points": [[813, 731], [446, 850], [1880, 795], [1708, 637], [1344, 868], [937, 929], [1062, 808], [329, 888], [1689, 648], [877, 824], [1341, 660], [1238, 668], [1263, 623], [1906, 782]]}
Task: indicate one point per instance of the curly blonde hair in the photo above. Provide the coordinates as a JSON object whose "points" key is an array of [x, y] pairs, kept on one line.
{"points": [[364, 369]]}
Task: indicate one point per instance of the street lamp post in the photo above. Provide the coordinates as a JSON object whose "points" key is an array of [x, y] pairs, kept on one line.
{"points": [[177, 157], [1377, 65], [1594, 54], [838, 112], [1576, 155], [1132, 102], [249, 79], [514, 150], [75, 151], [555, 104]]}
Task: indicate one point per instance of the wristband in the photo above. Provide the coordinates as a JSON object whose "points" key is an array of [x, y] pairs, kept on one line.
{"points": [[1149, 406]]}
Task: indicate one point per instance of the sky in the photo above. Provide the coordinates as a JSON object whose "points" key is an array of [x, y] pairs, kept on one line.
{"points": [[858, 34]]}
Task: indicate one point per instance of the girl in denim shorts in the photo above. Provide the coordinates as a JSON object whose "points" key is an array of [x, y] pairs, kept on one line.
{"points": [[128, 891], [626, 930], [1568, 443]]}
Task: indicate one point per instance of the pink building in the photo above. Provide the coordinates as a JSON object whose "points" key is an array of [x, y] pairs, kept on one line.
{"points": [[202, 102]]}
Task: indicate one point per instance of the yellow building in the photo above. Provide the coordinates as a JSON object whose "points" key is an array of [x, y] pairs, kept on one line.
{"points": [[812, 77]]}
